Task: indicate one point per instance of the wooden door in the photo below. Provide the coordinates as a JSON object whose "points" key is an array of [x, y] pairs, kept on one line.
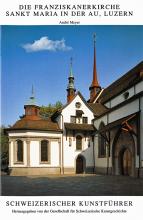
{"points": [[79, 165], [127, 162]]}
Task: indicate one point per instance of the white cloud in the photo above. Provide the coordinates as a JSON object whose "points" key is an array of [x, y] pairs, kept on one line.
{"points": [[44, 43]]}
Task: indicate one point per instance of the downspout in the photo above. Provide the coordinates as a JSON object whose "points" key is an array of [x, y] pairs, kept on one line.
{"points": [[93, 156], [94, 151]]}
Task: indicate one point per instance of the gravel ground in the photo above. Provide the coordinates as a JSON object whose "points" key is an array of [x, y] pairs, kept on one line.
{"points": [[68, 185]]}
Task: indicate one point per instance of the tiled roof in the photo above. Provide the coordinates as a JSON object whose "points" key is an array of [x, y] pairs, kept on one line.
{"points": [[46, 125], [119, 122], [83, 127], [129, 79], [98, 108]]}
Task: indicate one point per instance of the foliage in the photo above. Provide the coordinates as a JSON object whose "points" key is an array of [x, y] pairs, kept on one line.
{"points": [[3, 146], [3, 140], [50, 109]]}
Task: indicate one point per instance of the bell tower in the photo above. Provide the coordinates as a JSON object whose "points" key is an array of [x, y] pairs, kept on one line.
{"points": [[70, 88], [95, 87], [31, 108]]}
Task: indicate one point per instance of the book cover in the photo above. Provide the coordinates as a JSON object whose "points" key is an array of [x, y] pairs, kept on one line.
{"points": [[71, 109]]}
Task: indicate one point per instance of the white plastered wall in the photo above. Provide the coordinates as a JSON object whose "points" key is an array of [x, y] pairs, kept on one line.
{"points": [[70, 152], [121, 112], [124, 111], [35, 154], [34, 134], [139, 87], [70, 110], [120, 98], [54, 144]]}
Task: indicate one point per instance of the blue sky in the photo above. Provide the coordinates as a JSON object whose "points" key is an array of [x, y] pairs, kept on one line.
{"points": [[45, 63]]}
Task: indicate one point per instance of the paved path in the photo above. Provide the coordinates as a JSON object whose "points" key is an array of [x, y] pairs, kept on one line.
{"points": [[79, 185]]}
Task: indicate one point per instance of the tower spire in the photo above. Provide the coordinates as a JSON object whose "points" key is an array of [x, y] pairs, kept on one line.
{"points": [[31, 108], [32, 100], [32, 92], [70, 88], [95, 81], [71, 72], [95, 87]]}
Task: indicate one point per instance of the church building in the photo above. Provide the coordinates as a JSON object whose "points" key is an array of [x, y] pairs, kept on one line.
{"points": [[102, 135], [119, 130]]}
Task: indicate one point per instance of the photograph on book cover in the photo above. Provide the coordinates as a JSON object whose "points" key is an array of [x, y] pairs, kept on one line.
{"points": [[72, 110]]}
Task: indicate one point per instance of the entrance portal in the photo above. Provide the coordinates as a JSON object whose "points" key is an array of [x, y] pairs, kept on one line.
{"points": [[80, 164], [123, 154]]}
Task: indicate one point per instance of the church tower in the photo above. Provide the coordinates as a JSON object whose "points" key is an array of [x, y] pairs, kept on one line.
{"points": [[70, 88], [31, 108], [95, 87]]}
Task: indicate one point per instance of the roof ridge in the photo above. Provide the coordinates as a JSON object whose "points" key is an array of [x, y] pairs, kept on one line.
{"points": [[127, 73], [132, 73]]}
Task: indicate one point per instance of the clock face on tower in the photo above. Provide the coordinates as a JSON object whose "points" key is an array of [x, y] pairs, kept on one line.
{"points": [[77, 104]]}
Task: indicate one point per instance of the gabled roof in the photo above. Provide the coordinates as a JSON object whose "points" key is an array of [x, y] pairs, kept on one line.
{"points": [[43, 125], [126, 81], [82, 98]]}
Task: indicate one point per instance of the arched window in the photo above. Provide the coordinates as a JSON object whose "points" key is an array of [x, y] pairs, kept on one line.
{"points": [[19, 151], [102, 141], [78, 142], [44, 151]]}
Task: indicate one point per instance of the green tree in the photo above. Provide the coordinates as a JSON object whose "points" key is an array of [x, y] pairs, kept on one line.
{"points": [[50, 109], [3, 146]]}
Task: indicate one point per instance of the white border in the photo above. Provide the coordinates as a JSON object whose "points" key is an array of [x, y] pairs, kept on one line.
{"points": [[135, 6]]}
